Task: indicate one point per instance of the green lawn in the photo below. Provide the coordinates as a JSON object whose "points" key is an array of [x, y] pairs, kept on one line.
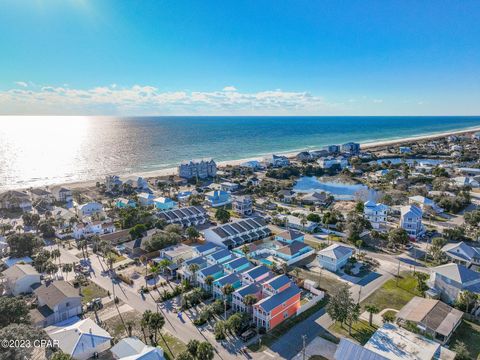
{"points": [[92, 291], [394, 296], [469, 333], [361, 331]]}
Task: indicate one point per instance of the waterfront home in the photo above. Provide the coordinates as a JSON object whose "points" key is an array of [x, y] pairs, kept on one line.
{"points": [[238, 297], [242, 205], [38, 194], [220, 256], [432, 317], [81, 339], [145, 199], [332, 149], [57, 301], [334, 257], [185, 216], [20, 279], [395, 343], [113, 183], [228, 279], [347, 349], [411, 220], [132, 348], [238, 232], [273, 310], [229, 186], [137, 183], [304, 156], [462, 254], [62, 194], [218, 198], [350, 148], [449, 280], [476, 136], [405, 150], [376, 213], [14, 199], [201, 169], [252, 164], [257, 274], [329, 162], [277, 161], [205, 249], [286, 196], [290, 235], [466, 181], [237, 265], [294, 222], [123, 203], [314, 198], [164, 203], [89, 209], [424, 203]]}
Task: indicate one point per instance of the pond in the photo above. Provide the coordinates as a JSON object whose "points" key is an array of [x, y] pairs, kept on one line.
{"points": [[338, 189]]}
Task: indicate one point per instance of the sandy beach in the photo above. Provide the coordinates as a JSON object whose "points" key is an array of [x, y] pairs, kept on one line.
{"points": [[290, 154]]}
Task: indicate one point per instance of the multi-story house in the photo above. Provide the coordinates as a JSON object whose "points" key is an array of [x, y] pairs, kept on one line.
{"points": [[89, 209], [201, 169], [145, 199], [259, 273], [424, 203], [62, 194], [38, 194], [186, 216], [332, 149], [376, 213], [20, 279], [462, 254], [329, 162], [233, 279], [411, 220], [113, 183], [238, 297], [164, 203], [218, 198], [350, 148], [216, 271], [57, 301], [220, 257], [14, 199], [238, 232], [242, 205], [205, 249], [334, 257], [277, 161], [237, 265]]}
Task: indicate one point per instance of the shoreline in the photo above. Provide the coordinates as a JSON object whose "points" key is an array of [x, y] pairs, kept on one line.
{"points": [[75, 185]]}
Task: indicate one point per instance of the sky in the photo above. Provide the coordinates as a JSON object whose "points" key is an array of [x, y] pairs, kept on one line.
{"points": [[247, 57]]}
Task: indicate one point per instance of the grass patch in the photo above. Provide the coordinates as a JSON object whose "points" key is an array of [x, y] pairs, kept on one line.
{"points": [[269, 338], [325, 280], [469, 333], [361, 331], [116, 257], [394, 296], [92, 291]]}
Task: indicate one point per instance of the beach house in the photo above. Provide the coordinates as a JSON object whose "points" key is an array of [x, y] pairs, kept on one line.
{"points": [[123, 203], [277, 161], [376, 213], [350, 148], [164, 203], [424, 203], [145, 199], [329, 162], [334, 257], [20, 279], [411, 220], [242, 205], [462, 253], [218, 198], [185, 216], [89, 209], [62, 194], [14, 199], [289, 236], [202, 169]]}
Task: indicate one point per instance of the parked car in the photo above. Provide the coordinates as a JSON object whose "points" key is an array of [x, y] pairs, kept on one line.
{"points": [[247, 335]]}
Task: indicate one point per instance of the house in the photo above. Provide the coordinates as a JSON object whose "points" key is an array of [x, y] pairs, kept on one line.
{"points": [[216, 271], [185, 271], [350, 148], [329, 162], [229, 186], [117, 237], [145, 199], [81, 230], [424, 203], [293, 252], [238, 297], [177, 253], [38, 194], [205, 249], [376, 213], [347, 349], [218, 198], [132, 348], [286, 196], [184, 196], [220, 256], [201, 169], [463, 254], [242, 205], [334, 257], [449, 280], [304, 156], [257, 274], [252, 164], [290, 235], [277, 161], [238, 232], [237, 265], [411, 220], [395, 343], [14, 199], [123, 203], [294, 222], [432, 317], [466, 181], [20, 279], [233, 279], [57, 301], [89, 209], [273, 310], [81, 339], [62, 194], [113, 183], [314, 198], [185, 216], [405, 150], [332, 149], [164, 203]]}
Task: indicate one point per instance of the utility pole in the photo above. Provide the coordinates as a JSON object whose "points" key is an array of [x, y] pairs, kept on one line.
{"points": [[304, 337], [359, 293]]}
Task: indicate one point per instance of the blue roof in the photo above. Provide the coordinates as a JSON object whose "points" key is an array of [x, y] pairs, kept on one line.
{"points": [[257, 271], [220, 254], [12, 261], [236, 263], [210, 270], [270, 303], [228, 279], [196, 260], [250, 289], [205, 247], [278, 281]]}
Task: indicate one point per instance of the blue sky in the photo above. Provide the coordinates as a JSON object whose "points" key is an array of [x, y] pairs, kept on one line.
{"points": [[240, 57]]}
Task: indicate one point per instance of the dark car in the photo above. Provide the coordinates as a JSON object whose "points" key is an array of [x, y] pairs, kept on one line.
{"points": [[247, 335]]}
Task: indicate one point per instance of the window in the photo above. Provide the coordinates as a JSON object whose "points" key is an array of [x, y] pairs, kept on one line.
{"points": [[285, 315]]}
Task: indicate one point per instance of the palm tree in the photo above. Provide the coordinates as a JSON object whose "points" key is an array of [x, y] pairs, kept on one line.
{"points": [[155, 324], [249, 300], [193, 268], [227, 290], [284, 268], [303, 220], [66, 268], [372, 309], [144, 323], [209, 281], [245, 249]]}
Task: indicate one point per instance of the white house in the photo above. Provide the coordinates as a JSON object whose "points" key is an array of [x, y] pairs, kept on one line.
{"points": [[376, 213], [424, 203], [334, 257], [81, 339], [20, 278], [62, 194], [328, 162], [277, 161], [466, 181], [411, 220], [242, 205], [132, 348], [89, 209], [463, 254], [296, 223]]}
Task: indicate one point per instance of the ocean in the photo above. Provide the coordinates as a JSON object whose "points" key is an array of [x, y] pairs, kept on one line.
{"points": [[36, 151]]}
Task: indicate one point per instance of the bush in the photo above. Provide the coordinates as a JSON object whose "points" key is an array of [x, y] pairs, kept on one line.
{"points": [[125, 279]]}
